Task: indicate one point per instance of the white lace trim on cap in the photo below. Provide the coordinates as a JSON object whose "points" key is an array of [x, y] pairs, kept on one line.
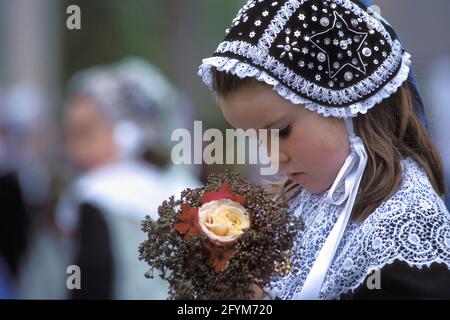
{"points": [[245, 70]]}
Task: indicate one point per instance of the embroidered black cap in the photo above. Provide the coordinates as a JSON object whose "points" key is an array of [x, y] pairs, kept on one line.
{"points": [[332, 56]]}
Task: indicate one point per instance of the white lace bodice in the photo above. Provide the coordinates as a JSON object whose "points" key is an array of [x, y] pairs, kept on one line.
{"points": [[412, 226]]}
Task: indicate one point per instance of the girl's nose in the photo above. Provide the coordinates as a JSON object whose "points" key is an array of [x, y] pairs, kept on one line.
{"points": [[282, 157]]}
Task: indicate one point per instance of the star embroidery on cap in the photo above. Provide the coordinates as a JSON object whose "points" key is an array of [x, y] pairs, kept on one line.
{"points": [[288, 48], [340, 26]]}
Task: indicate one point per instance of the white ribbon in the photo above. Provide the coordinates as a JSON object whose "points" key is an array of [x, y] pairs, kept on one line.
{"points": [[350, 175]]}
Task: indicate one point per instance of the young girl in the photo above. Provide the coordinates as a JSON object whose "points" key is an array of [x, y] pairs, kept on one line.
{"points": [[360, 167]]}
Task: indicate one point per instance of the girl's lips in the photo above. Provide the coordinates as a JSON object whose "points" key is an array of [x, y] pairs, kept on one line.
{"points": [[297, 177]]}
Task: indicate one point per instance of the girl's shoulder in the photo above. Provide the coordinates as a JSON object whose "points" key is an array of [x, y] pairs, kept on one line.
{"points": [[415, 198], [415, 216], [406, 240]]}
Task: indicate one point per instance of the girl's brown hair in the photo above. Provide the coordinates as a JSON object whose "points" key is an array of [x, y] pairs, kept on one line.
{"points": [[390, 131]]}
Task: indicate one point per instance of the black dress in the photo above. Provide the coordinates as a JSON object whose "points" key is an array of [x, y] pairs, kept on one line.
{"points": [[15, 223], [94, 257], [400, 281]]}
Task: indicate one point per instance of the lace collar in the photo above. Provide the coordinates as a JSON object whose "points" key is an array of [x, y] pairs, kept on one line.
{"points": [[412, 226]]}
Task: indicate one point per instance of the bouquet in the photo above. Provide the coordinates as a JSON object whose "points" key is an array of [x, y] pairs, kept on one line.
{"points": [[219, 240]]}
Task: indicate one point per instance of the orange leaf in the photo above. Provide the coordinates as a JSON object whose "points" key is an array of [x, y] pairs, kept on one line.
{"points": [[219, 256], [189, 221], [187, 213], [224, 192], [182, 227]]}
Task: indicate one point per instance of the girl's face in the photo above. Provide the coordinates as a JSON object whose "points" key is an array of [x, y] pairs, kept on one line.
{"points": [[312, 148]]}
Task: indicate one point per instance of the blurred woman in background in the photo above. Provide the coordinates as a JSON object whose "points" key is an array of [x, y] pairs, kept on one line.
{"points": [[117, 116]]}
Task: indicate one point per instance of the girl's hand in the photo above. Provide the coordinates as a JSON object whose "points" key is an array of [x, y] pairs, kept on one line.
{"points": [[258, 293]]}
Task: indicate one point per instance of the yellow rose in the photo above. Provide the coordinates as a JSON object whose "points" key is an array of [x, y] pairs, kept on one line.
{"points": [[223, 221]]}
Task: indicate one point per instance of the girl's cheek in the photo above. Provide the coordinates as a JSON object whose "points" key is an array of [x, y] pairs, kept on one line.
{"points": [[291, 146]]}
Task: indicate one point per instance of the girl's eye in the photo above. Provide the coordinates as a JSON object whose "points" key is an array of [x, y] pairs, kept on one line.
{"points": [[285, 132]]}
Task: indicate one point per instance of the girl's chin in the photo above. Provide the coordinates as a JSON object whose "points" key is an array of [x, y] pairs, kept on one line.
{"points": [[314, 189], [302, 180]]}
